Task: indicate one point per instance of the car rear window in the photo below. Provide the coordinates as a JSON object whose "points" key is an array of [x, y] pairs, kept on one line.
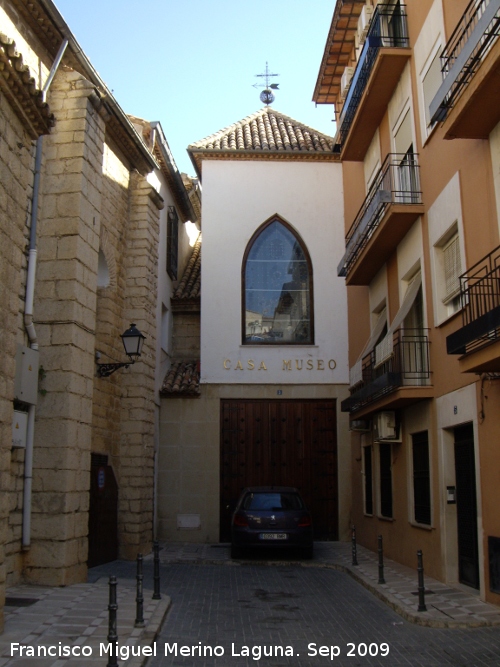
{"points": [[272, 501]]}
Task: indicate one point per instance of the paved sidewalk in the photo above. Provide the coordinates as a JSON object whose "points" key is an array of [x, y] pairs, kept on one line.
{"points": [[77, 615]]}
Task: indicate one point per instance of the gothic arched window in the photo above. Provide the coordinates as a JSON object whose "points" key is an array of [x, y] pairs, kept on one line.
{"points": [[277, 288]]}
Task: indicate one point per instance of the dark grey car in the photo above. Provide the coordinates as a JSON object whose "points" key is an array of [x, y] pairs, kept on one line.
{"points": [[271, 516]]}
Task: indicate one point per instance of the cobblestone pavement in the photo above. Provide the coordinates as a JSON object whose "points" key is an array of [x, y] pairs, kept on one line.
{"points": [[270, 599], [447, 606], [304, 609]]}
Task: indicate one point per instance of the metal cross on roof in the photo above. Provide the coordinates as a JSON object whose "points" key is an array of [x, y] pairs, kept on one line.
{"points": [[267, 96]]}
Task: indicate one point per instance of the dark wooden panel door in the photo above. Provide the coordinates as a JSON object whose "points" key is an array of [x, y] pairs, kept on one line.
{"points": [[103, 513], [282, 443], [465, 471]]}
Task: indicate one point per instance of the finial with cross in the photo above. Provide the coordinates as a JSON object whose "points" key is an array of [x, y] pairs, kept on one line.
{"points": [[267, 96]]}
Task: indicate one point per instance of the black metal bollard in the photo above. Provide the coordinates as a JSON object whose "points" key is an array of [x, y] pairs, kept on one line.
{"points": [[156, 570], [139, 600], [354, 550], [112, 636], [421, 587], [381, 579]]}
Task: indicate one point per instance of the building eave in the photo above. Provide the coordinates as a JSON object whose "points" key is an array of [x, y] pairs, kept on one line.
{"points": [[337, 50], [197, 156], [49, 26], [169, 169]]}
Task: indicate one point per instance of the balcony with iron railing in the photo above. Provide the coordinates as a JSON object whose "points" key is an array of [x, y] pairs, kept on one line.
{"points": [[479, 336], [383, 57], [468, 98], [393, 203], [395, 374]]}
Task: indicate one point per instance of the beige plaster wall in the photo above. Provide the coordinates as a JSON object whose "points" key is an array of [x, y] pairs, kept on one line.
{"points": [[189, 456]]}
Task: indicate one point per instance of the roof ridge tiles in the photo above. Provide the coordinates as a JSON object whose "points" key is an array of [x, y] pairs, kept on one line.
{"points": [[266, 130]]}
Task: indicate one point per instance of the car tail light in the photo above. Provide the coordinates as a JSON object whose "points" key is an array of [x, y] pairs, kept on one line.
{"points": [[305, 521], [240, 520]]}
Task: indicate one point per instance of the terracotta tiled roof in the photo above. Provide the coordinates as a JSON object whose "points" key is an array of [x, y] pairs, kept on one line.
{"points": [[266, 130], [183, 379], [21, 90], [190, 283]]}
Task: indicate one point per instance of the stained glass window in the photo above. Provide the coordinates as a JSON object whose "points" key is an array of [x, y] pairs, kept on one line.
{"points": [[277, 289]]}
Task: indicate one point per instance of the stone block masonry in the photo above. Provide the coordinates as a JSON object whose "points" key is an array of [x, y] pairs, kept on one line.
{"points": [[137, 406], [93, 204], [96, 272], [16, 177], [65, 313]]}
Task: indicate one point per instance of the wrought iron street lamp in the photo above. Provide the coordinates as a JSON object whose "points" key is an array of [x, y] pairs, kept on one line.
{"points": [[133, 340]]}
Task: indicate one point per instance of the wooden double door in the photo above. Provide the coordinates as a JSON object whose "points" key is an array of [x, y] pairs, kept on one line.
{"points": [[281, 443]]}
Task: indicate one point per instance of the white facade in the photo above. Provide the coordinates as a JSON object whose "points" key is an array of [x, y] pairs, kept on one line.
{"points": [[239, 196]]}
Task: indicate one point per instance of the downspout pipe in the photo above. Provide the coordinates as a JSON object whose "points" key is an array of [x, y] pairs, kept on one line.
{"points": [[28, 311]]}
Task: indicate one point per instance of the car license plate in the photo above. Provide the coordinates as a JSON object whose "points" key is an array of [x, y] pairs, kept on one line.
{"points": [[273, 536]]}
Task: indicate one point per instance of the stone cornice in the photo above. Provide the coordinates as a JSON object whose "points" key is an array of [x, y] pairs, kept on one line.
{"points": [[198, 155], [19, 87]]}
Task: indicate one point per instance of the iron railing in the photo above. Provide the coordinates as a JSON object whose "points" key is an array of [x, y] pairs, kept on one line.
{"points": [[480, 301], [388, 28], [397, 182], [469, 44], [407, 365]]}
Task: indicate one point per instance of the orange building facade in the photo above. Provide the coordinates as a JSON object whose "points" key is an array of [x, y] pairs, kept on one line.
{"points": [[416, 91]]}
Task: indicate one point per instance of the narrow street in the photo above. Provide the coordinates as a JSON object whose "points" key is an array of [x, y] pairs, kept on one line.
{"points": [[241, 611]]}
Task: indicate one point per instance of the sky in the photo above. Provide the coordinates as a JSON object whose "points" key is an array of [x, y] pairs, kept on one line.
{"points": [[191, 64]]}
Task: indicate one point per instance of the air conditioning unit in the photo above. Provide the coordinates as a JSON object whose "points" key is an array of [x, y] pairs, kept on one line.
{"points": [[360, 426], [386, 426], [345, 81], [364, 22]]}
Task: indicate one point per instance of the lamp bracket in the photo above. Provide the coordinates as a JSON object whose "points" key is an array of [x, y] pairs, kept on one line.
{"points": [[105, 370]]}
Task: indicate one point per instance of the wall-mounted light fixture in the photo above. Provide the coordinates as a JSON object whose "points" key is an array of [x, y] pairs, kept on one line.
{"points": [[132, 342]]}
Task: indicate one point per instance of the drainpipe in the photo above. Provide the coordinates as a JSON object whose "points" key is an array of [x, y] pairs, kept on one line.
{"points": [[28, 312]]}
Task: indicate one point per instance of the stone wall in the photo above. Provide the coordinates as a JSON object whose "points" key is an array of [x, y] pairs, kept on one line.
{"points": [[135, 520], [65, 307], [16, 177], [110, 322], [92, 202], [186, 335]]}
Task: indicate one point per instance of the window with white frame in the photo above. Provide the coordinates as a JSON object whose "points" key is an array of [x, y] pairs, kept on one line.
{"points": [[452, 268], [431, 81], [449, 264]]}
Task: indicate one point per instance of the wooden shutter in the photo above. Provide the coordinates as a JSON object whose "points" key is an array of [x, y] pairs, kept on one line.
{"points": [[452, 268]]}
